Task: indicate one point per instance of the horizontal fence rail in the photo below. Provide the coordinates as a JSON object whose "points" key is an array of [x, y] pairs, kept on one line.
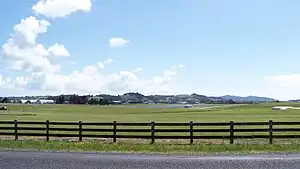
{"points": [[152, 131]]}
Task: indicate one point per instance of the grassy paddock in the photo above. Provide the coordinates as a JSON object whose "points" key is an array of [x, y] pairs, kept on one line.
{"points": [[244, 113], [140, 113], [97, 146]]}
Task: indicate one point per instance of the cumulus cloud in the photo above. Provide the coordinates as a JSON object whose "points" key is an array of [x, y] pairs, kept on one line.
{"points": [[22, 52], [28, 29], [59, 50], [91, 79], [102, 64], [118, 42], [61, 8]]}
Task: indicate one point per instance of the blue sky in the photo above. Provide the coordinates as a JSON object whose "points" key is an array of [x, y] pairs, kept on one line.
{"points": [[226, 46]]}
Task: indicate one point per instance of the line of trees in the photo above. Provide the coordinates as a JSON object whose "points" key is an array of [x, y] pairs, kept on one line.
{"points": [[75, 99], [100, 101], [4, 100]]}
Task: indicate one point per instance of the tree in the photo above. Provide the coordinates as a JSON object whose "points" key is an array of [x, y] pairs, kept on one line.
{"points": [[230, 101], [100, 101], [103, 102], [60, 100], [93, 101], [72, 99], [4, 100]]}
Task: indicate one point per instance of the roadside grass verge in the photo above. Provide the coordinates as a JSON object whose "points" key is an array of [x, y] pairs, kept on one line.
{"points": [[98, 146]]}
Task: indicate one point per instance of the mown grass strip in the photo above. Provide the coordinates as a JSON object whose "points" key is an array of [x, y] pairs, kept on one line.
{"points": [[98, 146]]}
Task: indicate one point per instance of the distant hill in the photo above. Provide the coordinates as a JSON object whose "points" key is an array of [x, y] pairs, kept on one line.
{"points": [[135, 98], [248, 98], [298, 100]]}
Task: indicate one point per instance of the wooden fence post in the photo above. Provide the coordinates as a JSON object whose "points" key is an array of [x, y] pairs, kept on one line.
{"points": [[270, 131], [47, 130], [80, 130], [191, 132], [115, 131], [16, 129], [152, 132], [231, 132]]}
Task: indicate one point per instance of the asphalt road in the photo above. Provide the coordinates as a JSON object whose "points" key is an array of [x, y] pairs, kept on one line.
{"points": [[45, 160]]}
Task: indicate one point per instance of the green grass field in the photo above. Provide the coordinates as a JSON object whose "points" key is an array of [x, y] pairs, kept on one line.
{"points": [[244, 113], [142, 113]]}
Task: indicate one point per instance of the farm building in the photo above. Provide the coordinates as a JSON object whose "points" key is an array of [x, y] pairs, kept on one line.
{"points": [[38, 101], [116, 102], [282, 108]]}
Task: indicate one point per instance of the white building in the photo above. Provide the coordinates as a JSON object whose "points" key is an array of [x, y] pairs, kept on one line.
{"points": [[38, 101], [282, 108]]}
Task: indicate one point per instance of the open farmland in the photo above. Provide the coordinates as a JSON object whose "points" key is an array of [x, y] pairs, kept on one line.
{"points": [[140, 113]]}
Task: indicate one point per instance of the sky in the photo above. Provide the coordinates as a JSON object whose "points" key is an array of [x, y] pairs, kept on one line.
{"points": [[210, 47]]}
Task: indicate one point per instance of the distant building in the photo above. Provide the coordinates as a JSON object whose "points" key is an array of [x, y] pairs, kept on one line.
{"points": [[37, 101], [116, 102], [181, 102], [282, 108]]}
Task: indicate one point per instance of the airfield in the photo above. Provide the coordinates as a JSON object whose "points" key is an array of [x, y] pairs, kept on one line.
{"points": [[151, 112]]}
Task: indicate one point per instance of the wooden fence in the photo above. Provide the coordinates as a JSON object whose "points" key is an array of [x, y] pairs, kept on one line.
{"points": [[113, 130]]}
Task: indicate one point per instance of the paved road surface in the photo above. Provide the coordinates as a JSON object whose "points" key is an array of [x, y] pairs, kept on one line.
{"points": [[44, 160]]}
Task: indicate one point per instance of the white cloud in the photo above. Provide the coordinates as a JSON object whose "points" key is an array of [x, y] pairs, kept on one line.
{"points": [[59, 50], [108, 61], [102, 64], [285, 81], [27, 31], [61, 8], [118, 42], [283, 87], [169, 73], [23, 53], [181, 66], [91, 79], [138, 69]]}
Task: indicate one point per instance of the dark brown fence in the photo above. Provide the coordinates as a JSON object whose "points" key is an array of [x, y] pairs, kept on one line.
{"points": [[115, 130]]}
